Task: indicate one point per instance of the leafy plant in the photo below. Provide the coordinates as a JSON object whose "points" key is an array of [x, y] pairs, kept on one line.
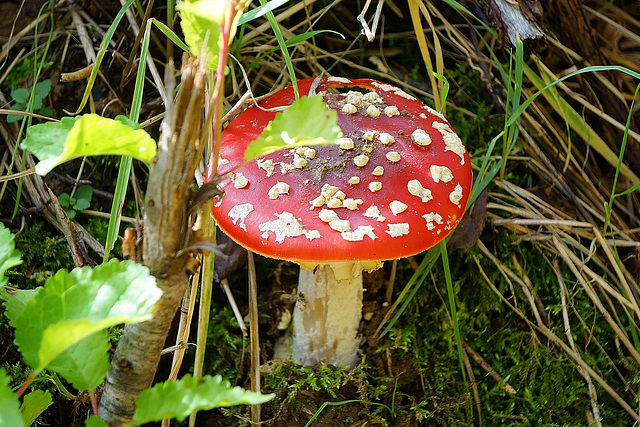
{"points": [[80, 200], [62, 327], [21, 100]]}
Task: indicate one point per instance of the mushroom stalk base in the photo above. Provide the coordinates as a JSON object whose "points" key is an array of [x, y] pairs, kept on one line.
{"points": [[327, 316]]}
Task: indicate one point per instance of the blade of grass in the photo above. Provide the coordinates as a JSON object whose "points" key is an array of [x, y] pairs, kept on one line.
{"points": [[513, 99], [261, 11], [408, 293], [283, 46], [577, 124], [103, 50], [26, 120], [609, 206], [167, 31], [124, 170], [452, 304]]}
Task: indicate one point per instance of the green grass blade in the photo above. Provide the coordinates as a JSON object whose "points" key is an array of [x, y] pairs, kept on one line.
{"points": [[572, 116], [412, 286], [623, 147], [103, 50], [26, 121], [445, 90], [452, 304], [124, 170], [283, 47], [166, 30], [261, 11]]}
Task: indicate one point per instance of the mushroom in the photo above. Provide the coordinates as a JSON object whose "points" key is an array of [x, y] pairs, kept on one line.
{"points": [[396, 185]]}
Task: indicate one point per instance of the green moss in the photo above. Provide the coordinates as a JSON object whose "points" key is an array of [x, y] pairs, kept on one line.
{"points": [[227, 351], [23, 70], [44, 251]]}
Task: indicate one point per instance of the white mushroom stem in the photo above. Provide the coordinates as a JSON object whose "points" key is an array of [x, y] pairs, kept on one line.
{"points": [[327, 316]]}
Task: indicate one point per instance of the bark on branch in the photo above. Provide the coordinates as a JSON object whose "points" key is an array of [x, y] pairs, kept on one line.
{"points": [[167, 230]]}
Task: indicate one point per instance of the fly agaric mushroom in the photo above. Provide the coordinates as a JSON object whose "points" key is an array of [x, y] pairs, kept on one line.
{"points": [[397, 184]]}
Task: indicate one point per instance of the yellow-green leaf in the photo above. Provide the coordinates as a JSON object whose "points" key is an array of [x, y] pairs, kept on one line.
{"points": [[88, 135]]}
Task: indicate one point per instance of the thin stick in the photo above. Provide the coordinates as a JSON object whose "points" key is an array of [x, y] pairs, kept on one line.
{"points": [[224, 284], [474, 385], [253, 335], [507, 388], [595, 408]]}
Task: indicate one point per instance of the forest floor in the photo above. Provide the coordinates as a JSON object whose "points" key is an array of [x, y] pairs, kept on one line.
{"points": [[541, 271]]}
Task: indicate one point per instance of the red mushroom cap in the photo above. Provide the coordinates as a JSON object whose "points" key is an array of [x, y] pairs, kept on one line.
{"points": [[395, 188]]}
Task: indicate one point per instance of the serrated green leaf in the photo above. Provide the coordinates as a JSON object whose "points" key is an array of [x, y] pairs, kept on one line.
{"points": [[94, 421], [15, 302], [9, 406], [307, 121], [9, 255], [33, 404], [85, 363], [202, 20], [179, 399], [86, 135], [73, 305]]}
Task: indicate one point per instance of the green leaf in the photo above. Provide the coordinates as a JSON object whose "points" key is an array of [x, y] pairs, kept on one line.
{"points": [[14, 117], [9, 406], [42, 90], [202, 20], [95, 421], [33, 404], [84, 192], [127, 121], [9, 256], [307, 121], [47, 140], [20, 95], [47, 111], [37, 103], [15, 302], [64, 199], [179, 399], [81, 204], [85, 363], [70, 213], [87, 135], [73, 305]]}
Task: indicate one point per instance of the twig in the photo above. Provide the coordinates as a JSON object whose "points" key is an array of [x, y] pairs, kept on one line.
{"points": [[474, 385], [254, 337], [595, 408], [507, 388], [224, 284], [87, 46], [370, 33]]}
